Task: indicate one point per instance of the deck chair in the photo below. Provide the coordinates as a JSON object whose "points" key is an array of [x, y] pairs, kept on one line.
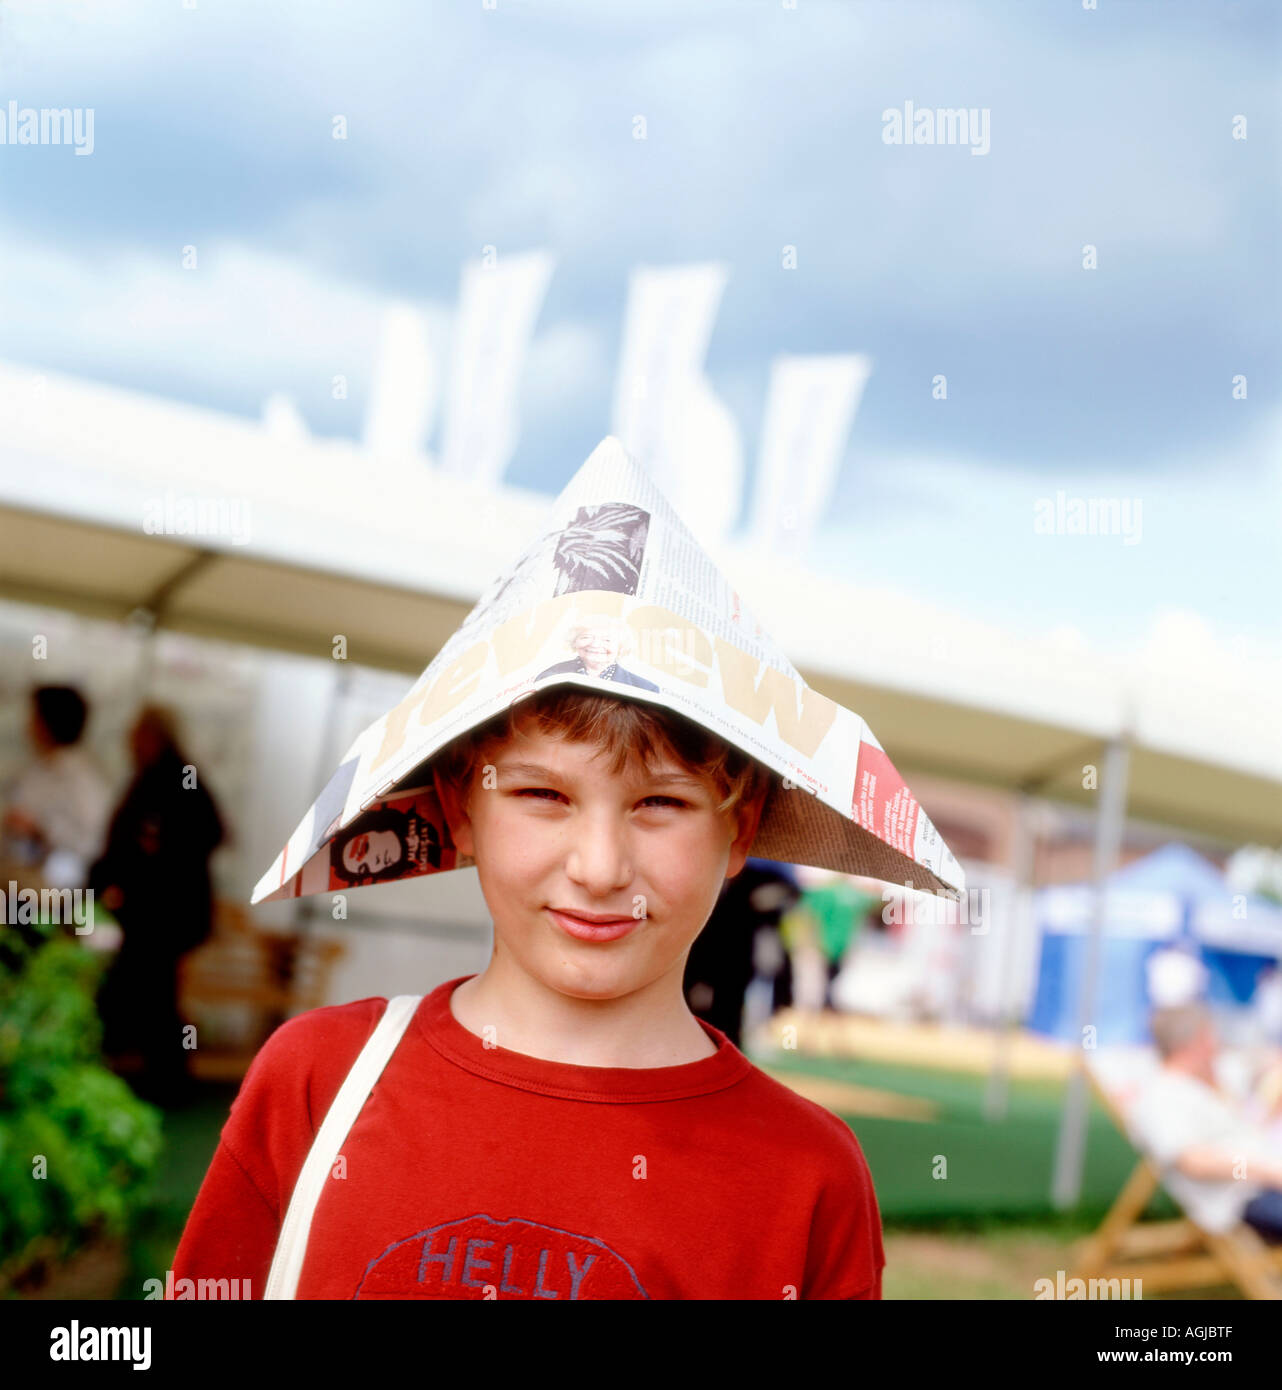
{"points": [[1166, 1255]]}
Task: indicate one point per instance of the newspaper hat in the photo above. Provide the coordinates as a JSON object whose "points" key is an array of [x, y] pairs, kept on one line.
{"points": [[617, 595]]}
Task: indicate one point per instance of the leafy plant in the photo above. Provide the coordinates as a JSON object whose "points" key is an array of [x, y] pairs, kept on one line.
{"points": [[100, 1144]]}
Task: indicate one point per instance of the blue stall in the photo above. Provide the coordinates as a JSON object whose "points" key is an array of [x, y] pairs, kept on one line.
{"points": [[1172, 897]]}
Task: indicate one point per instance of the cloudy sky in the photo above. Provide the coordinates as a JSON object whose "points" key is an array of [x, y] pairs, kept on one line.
{"points": [[512, 126]]}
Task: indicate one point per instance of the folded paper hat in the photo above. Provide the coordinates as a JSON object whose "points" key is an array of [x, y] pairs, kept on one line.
{"points": [[617, 594]]}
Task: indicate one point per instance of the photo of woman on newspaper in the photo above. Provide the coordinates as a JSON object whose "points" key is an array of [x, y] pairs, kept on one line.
{"points": [[390, 841]]}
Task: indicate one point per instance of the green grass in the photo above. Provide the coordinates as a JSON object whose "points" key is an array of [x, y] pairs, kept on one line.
{"points": [[998, 1175], [191, 1136]]}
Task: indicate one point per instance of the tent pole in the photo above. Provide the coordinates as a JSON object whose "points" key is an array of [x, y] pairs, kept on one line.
{"points": [[997, 1091], [306, 909], [1109, 825]]}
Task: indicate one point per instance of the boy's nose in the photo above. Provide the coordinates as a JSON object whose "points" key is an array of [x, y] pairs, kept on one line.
{"points": [[599, 857]]}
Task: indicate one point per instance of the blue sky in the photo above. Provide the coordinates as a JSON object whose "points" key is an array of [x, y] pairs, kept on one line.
{"points": [[512, 127]]}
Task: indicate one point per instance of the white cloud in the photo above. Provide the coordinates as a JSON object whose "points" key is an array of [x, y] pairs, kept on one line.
{"points": [[244, 314]]}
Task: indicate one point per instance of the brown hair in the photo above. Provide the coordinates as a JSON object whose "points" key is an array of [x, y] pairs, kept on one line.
{"points": [[623, 729], [1175, 1027], [161, 721]]}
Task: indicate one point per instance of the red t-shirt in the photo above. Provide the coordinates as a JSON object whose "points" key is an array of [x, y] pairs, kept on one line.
{"points": [[476, 1172]]}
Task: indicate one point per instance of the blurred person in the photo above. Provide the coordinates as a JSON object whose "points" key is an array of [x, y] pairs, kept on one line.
{"points": [[57, 811], [776, 965], [837, 910], [1215, 1159], [877, 977], [154, 878], [805, 975], [769, 964], [929, 947], [721, 963], [1266, 1050]]}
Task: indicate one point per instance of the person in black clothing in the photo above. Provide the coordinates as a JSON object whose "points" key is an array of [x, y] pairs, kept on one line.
{"points": [[719, 968], [153, 876]]}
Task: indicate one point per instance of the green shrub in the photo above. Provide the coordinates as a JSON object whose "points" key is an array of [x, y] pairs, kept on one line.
{"points": [[100, 1143]]}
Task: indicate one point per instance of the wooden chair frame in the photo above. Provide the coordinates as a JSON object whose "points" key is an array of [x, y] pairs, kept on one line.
{"points": [[1171, 1255], [271, 982]]}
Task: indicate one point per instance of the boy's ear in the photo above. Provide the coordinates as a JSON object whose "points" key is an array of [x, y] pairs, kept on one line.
{"points": [[749, 819], [456, 816]]}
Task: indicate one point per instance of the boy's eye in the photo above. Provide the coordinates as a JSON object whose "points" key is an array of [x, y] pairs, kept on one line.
{"points": [[543, 793]]}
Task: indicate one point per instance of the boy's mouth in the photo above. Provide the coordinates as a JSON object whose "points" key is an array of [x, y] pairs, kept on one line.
{"points": [[592, 926], [595, 918]]}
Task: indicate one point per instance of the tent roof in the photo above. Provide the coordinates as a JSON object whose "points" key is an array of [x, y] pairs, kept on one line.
{"points": [[229, 595], [1173, 868]]}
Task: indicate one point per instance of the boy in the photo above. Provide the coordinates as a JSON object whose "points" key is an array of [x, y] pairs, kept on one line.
{"points": [[609, 1146], [560, 1125]]}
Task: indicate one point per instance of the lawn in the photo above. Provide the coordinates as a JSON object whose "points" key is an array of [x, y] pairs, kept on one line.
{"points": [[986, 1170], [191, 1136]]}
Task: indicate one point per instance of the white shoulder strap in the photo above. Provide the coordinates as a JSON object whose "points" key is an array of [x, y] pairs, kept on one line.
{"points": [[287, 1263]]}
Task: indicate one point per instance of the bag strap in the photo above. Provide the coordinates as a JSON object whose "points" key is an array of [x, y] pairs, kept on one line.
{"points": [[287, 1263]]}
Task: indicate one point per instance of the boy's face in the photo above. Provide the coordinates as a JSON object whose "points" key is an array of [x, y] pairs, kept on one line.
{"points": [[642, 846]]}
